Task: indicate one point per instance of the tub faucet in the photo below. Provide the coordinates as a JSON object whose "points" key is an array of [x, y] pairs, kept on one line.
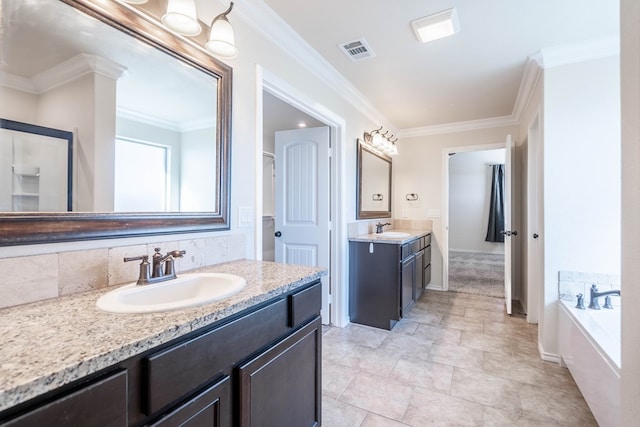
{"points": [[594, 304], [380, 225], [154, 272]]}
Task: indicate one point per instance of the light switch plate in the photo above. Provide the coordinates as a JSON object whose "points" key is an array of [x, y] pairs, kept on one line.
{"points": [[245, 217], [434, 213]]}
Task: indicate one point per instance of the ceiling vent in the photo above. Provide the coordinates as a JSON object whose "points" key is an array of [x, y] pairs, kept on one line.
{"points": [[357, 49]]}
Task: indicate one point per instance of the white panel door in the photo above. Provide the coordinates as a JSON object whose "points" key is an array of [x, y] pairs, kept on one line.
{"points": [[302, 201], [507, 223]]}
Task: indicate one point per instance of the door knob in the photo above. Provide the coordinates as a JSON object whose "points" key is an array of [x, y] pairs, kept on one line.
{"points": [[515, 233], [535, 235], [278, 234]]}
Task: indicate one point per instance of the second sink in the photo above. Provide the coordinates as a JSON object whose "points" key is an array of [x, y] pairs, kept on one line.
{"points": [[188, 290], [394, 234]]}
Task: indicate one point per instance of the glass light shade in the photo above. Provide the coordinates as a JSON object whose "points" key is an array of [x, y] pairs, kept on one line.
{"points": [[136, 1], [221, 39], [181, 17], [393, 151], [377, 140]]}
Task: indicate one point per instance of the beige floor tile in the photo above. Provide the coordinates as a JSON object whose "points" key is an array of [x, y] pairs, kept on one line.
{"points": [[438, 296], [418, 372], [444, 308], [420, 313], [462, 323], [494, 417], [340, 414], [374, 420], [335, 378], [406, 326], [361, 358], [486, 389], [357, 334], [484, 342], [507, 329], [430, 408], [379, 395], [455, 355], [558, 404], [484, 314], [407, 345], [524, 370], [439, 335]]}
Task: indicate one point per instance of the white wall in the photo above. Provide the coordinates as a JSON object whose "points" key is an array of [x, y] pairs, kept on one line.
{"points": [[419, 169], [630, 69], [581, 177], [470, 179]]}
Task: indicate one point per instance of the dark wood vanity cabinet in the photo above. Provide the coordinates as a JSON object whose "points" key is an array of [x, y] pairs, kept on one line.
{"points": [[385, 279], [260, 367]]}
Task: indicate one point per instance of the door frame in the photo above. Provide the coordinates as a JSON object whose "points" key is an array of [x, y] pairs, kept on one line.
{"points": [[338, 292], [446, 152], [534, 224]]}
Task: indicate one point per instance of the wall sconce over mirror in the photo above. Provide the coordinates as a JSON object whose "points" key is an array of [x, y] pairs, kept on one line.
{"points": [[181, 17], [385, 142], [374, 183]]}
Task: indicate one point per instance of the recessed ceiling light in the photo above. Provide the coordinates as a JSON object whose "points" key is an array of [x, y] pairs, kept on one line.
{"points": [[302, 125], [436, 26]]}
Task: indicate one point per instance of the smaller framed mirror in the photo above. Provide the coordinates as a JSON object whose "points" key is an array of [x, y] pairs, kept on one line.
{"points": [[373, 198]]}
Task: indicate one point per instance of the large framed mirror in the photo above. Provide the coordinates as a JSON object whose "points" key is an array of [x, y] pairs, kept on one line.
{"points": [[373, 198], [150, 115]]}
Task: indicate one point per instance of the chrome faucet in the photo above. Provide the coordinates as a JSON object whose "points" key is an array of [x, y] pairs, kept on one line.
{"points": [[380, 225], [154, 272], [594, 304]]}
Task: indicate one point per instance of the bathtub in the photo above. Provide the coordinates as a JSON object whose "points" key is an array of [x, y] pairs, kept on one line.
{"points": [[589, 345]]}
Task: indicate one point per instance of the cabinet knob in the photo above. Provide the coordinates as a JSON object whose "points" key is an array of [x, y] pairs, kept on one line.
{"points": [[278, 234]]}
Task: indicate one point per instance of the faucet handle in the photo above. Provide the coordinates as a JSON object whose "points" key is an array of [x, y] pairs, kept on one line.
{"points": [[145, 267]]}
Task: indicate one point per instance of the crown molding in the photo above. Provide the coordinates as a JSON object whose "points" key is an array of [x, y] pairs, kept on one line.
{"points": [[147, 119], [264, 20], [556, 56], [63, 73], [530, 77], [454, 127]]}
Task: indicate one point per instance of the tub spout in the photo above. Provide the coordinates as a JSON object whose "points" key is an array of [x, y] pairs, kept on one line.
{"points": [[594, 304]]}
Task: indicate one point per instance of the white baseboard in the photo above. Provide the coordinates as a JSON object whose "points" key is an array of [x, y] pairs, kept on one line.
{"points": [[435, 287], [549, 357]]}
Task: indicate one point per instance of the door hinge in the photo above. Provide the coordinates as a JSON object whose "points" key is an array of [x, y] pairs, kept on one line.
{"points": [[330, 225], [330, 152]]}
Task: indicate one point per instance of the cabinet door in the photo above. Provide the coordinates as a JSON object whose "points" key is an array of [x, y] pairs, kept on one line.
{"points": [[417, 283], [407, 281], [282, 386], [102, 403], [210, 408]]}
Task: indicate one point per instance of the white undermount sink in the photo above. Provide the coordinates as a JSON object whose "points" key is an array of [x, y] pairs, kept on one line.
{"points": [[187, 290], [394, 234]]}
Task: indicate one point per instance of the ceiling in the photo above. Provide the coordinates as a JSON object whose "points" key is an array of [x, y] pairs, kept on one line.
{"points": [[472, 75]]}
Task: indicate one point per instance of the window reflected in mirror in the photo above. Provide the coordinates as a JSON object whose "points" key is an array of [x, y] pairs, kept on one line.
{"points": [[374, 183]]}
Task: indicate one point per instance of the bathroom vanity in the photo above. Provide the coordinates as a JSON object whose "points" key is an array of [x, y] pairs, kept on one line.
{"points": [[387, 274], [253, 359]]}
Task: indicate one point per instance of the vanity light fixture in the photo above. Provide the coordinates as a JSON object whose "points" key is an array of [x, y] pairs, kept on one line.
{"points": [[181, 17], [221, 37], [136, 1], [382, 142], [436, 26]]}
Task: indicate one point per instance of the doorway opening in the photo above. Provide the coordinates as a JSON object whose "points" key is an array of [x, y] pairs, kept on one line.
{"points": [[276, 95]]}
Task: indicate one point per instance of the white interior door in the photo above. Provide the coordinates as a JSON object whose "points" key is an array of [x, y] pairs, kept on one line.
{"points": [[302, 202], [507, 222]]}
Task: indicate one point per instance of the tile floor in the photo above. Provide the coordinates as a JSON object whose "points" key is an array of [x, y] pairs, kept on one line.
{"points": [[455, 360]]}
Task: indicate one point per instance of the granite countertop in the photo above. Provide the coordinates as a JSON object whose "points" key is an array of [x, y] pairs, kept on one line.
{"points": [[380, 238], [51, 343]]}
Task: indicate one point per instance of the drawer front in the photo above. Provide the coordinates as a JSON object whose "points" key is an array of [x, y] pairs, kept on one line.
{"points": [[427, 255], [305, 305], [405, 251], [102, 403], [176, 371], [426, 278], [427, 240], [416, 245]]}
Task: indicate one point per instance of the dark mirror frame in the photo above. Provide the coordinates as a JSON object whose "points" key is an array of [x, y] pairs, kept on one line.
{"points": [[32, 228], [361, 214]]}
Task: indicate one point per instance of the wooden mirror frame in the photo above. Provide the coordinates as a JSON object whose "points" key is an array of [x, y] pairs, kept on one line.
{"points": [[361, 214], [32, 228]]}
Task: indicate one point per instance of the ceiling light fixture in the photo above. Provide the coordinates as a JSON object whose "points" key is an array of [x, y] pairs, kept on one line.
{"points": [[181, 17], [436, 26], [382, 142], [222, 41]]}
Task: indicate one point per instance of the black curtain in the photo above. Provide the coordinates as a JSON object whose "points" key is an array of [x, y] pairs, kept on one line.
{"points": [[496, 208]]}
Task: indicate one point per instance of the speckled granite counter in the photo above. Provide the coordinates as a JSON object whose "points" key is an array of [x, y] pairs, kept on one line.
{"points": [[379, 238], [51, 343]]}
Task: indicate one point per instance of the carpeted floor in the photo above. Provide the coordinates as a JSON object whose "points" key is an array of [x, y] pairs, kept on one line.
{"points": [[476, 273]]}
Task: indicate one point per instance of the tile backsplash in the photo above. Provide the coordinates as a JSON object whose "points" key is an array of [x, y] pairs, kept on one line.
{"points": [[37, 277], [572, 283]]}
